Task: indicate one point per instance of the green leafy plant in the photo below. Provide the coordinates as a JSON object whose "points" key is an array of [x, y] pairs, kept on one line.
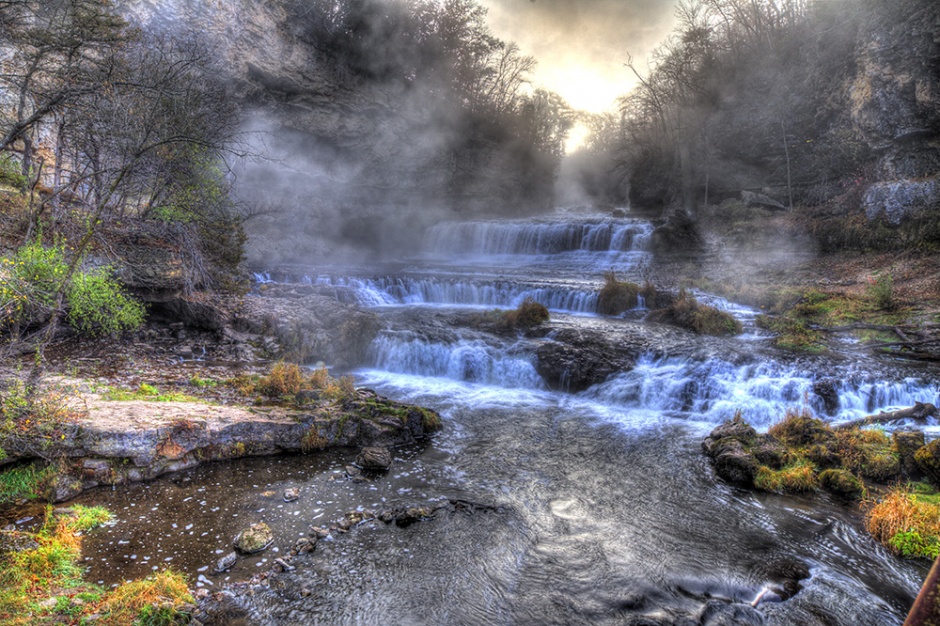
{"points": [[881, 291], [31, 278]]}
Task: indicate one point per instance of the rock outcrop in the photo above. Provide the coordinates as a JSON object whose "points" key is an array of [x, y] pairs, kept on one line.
{"points": [[117, 442]]}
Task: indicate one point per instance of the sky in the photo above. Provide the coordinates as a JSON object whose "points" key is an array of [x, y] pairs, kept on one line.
{"points": [[582, 45]]}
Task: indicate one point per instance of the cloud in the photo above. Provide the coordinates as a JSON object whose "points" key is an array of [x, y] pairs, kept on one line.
{"points": [[582, 45]]}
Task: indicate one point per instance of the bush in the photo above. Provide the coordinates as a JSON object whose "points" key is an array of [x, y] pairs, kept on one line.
{"points": [[801, 429], [616, 297], [869, 453], [97, 304], [32, 277], [283, 379]]}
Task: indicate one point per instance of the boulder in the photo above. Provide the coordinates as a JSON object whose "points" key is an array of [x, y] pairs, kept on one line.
{"points": [[225, 563], [374, 458], [574, 360], [907, 443], [253, 539]]}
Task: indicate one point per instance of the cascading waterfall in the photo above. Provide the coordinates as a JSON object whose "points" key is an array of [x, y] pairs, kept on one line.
{"points": [[549, 237]]}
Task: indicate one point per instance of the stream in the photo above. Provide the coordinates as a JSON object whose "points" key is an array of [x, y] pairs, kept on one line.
{"points": [[603, 508]]}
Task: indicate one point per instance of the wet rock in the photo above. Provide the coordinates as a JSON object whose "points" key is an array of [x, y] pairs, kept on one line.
{"points": [[319, 532], [907, 443], [352, 471], [928, 460], [718, 613], [827, 392], [283, 566], [255, 538], [15, 541], [305, 545], [185, 352], [374, 458], [735, 464], [575, 360], [225, 563], [291, 494]]}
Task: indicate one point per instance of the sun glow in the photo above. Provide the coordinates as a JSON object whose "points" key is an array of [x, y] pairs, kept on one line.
{"points": [[577, 137]]}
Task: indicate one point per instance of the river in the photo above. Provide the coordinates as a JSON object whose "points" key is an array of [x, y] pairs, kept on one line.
{"points": [[601, 508]]}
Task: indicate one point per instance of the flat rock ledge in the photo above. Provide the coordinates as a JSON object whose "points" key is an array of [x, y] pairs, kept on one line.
{"points": [[118, 442]]}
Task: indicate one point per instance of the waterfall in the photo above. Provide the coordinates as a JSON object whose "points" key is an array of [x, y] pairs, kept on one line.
{"points": [[538, 238]]}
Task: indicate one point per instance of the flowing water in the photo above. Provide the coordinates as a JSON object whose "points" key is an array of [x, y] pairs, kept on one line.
{"points": [[604, 509]]}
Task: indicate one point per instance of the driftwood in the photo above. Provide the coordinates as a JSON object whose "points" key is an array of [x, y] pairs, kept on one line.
{"points": [[920, 411]]}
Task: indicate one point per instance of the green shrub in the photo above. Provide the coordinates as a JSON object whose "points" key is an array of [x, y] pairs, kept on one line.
{"points": [[911, 543], [98, 305], [881, 291], [32, 277], [11, 173]]}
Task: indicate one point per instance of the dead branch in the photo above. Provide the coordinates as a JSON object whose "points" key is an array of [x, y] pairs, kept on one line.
{"points": [[920, 411]]}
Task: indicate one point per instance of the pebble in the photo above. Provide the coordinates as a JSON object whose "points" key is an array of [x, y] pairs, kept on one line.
{"points": [[291, 494]]}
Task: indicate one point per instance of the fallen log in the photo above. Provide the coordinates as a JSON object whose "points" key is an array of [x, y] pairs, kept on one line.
{"points": [[920, 411]]}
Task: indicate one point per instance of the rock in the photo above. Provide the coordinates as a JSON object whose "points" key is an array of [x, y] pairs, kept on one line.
{"points": [[291, 494], [897, 200], [826, 390], [770, 452], [907, 443], [283, 565], [305, 545], [618, 213], [225, 562], [374, 458], [736, 465], [928, 460], [16, 541], [352, 471], [575, 360], [185, 351], [255, 538], [307, 396], [319, 532]]}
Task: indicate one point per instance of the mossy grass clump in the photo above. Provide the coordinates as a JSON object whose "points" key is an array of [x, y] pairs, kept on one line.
{"points": [[687, 312], [842, 483], [908, 521], [797, 477], [869, 453], [617, 296], [529, 314], [792, 334], [799, 429]]}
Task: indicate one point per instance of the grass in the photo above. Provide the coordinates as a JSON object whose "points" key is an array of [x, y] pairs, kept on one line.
{"points": [[797, 477], [149, 393], [617, 297], [28, 579], [25, 482], [529, 314], [687, 312]]}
